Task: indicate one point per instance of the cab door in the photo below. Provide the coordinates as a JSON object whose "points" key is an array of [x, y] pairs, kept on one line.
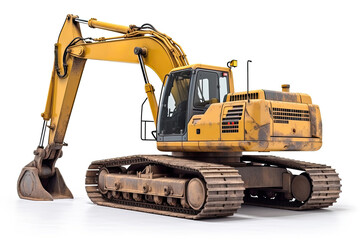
{"points": [[173, 108], [209, 87]]}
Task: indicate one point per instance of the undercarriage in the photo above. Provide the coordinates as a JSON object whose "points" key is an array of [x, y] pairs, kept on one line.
{"points": [[189, 188]]}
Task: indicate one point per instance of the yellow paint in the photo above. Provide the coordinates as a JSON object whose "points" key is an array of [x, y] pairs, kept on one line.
{"points": [[206, 126], [316, 123], [293, 128], [274, 144], [258, 130], [209, 67], [170, 146], [305, 98], [300, 97], [239, 135], [149, 89], [257, 120], [94, 23], [233, 63]]}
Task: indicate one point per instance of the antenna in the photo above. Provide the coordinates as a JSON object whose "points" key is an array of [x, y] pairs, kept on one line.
{"points": [[248, 96]]}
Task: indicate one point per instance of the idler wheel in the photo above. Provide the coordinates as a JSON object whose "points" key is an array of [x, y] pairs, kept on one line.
{"points": [[301, 188], [195, 193], [102, 175]]}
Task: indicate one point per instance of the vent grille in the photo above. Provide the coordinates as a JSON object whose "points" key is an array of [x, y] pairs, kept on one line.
{"points": [[244, 96], [230, 123], [284, 115]]}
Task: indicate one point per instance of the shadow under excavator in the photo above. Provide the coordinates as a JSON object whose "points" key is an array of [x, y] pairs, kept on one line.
{"points": [[248, 212], [263, 212]]}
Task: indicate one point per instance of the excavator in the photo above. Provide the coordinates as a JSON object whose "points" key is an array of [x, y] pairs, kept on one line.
{"points": [[200, 119]]}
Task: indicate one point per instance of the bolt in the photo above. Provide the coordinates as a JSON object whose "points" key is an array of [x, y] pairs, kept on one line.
{"points": [[167, 190], [145, 188]]}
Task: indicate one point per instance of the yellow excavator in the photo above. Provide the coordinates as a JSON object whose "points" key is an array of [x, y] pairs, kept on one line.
{"points": [[200, 119]]}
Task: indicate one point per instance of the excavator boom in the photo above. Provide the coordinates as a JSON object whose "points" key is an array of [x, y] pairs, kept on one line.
{"points": [[40, 180]]}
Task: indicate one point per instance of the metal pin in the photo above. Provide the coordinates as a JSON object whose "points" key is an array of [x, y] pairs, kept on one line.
{"points": [[81, 20]]}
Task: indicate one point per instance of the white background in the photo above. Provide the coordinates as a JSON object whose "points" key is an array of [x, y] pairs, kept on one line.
{"points": [[312, 45]]}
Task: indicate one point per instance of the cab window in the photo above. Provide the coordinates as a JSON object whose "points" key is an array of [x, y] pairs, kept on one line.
{"points": [[210, 88]]}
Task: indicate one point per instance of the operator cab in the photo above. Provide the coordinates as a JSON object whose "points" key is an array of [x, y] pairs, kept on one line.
{"points": [[189, 91]]}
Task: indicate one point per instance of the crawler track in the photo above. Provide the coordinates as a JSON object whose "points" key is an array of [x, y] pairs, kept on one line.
{"points": [[224, 187], [325, 181]]}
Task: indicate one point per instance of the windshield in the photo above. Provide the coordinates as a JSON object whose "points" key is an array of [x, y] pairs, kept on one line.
{"points": [[174, 103]]}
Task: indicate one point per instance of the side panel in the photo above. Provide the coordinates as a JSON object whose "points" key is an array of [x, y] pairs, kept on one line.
{"points": [[315, 120], [255, 126], [232, 121], [291, 119], [275, 144], [206, 126], [258, 121]]}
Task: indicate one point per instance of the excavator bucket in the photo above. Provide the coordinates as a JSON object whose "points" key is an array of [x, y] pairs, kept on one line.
{"points": [[33, 187]]}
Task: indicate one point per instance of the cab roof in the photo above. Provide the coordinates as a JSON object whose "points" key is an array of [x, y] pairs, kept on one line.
{"points": [[203, 66]]}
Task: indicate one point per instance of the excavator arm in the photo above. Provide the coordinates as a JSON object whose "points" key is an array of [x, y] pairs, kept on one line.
{"points": [[40, 180]]}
